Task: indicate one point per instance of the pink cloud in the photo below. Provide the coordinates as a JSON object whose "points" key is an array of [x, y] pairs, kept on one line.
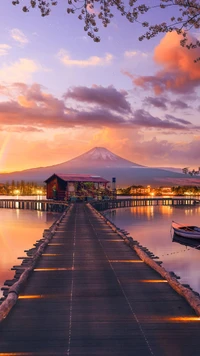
{"points": [[178, 71]]}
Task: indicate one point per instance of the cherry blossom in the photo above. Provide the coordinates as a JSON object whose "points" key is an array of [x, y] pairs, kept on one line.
{"points": [[186, 15]]}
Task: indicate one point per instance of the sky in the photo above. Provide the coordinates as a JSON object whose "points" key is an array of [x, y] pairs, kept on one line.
{"points": [[61, 94]]}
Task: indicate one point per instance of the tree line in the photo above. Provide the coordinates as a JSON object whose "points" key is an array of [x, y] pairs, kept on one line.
{"points": [[22, 188]]}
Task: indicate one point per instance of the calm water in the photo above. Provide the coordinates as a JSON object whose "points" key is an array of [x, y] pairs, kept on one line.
{"points": [[19, 230], [151, 227]]}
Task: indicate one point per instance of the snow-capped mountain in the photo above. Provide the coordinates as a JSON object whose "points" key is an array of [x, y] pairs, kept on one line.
{"points": [[102, 162], [99, 156]]}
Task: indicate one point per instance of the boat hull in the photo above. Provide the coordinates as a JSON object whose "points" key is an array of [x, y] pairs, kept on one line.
{"points": [[186, 234], [190, 232]]}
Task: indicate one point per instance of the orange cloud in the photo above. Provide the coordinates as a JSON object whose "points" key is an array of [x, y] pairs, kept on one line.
{"points": [[179, 73]]}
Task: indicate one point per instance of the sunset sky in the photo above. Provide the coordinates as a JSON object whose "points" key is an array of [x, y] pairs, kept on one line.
{"points": [[62, 94]]}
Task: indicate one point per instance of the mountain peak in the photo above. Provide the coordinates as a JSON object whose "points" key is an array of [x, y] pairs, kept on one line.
{"points": [[100, 153], [99, 156]]}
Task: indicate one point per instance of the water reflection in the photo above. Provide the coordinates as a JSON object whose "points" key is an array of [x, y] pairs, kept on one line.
{"points": [[19, 230], [23, 197], [194, 243], [151, 225]]}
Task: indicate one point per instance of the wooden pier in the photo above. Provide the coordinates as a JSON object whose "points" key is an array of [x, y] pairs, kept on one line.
{"points": [[60, 206], [128, 203], [90, 294], [43, 205]]}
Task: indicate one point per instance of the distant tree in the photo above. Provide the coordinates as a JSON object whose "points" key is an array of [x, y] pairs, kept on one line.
{"points": [[185, 170], [13, 186], [186, 15], [7, 187], [22, 187]]}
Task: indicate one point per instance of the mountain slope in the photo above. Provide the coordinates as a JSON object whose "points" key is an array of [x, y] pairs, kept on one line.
{"points": [[102, 162], [98, 157]]}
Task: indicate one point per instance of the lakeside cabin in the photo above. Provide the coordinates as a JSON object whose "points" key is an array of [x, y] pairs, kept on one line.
{"points": [[72, 187]]}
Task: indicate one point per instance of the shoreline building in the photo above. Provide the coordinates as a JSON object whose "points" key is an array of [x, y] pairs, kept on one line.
{"points": [[77, 187]]}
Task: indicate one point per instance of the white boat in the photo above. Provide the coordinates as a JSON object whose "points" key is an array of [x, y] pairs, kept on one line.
{"points": [[190, 232]]}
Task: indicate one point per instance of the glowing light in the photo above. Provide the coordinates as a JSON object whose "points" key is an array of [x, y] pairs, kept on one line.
{"points": [[125, 261], [117, 240], [53, 269], [16, 192], [52, 254], [49, 353], [184, 318], [19, 354], [42, 296], [153, 281], [55, 244]]}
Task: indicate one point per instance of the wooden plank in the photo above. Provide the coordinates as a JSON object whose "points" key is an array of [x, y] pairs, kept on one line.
{"points": [[90, 296]]}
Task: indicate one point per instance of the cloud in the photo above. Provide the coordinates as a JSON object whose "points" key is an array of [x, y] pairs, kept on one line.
{"points": [[30, 105], [178, 74], [146, 120], [179, 104], [162, 102], [156, 102], [106, 97], [173, 118], [21, 129], [4, 48], [19, 36], [19, 71], [90, 62], [131, 54]]}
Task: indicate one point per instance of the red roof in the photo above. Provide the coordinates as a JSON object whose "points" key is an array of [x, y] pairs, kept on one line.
{"points": [[79, 178]]}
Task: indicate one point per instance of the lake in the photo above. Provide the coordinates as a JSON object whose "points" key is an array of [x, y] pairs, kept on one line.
{"points": [[19, 230], [150, 226]]}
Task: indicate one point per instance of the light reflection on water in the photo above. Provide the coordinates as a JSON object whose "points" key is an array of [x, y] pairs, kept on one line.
{"points": [[23, 197], [150, 226], [19, 230]]}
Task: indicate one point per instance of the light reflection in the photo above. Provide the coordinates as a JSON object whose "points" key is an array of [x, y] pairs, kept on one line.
{"points": [[53, 269], [153, 281], [39, 214], [52, 254], [55, 244], [49, 353], [184, 318], [125, 261], [156, 235], [42, 296], [19, 230], [17, 212], [117, 240], [189, 211], [166, 210]]}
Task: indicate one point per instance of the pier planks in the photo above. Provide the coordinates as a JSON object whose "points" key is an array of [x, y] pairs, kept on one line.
{"points": [[90, 294]]}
